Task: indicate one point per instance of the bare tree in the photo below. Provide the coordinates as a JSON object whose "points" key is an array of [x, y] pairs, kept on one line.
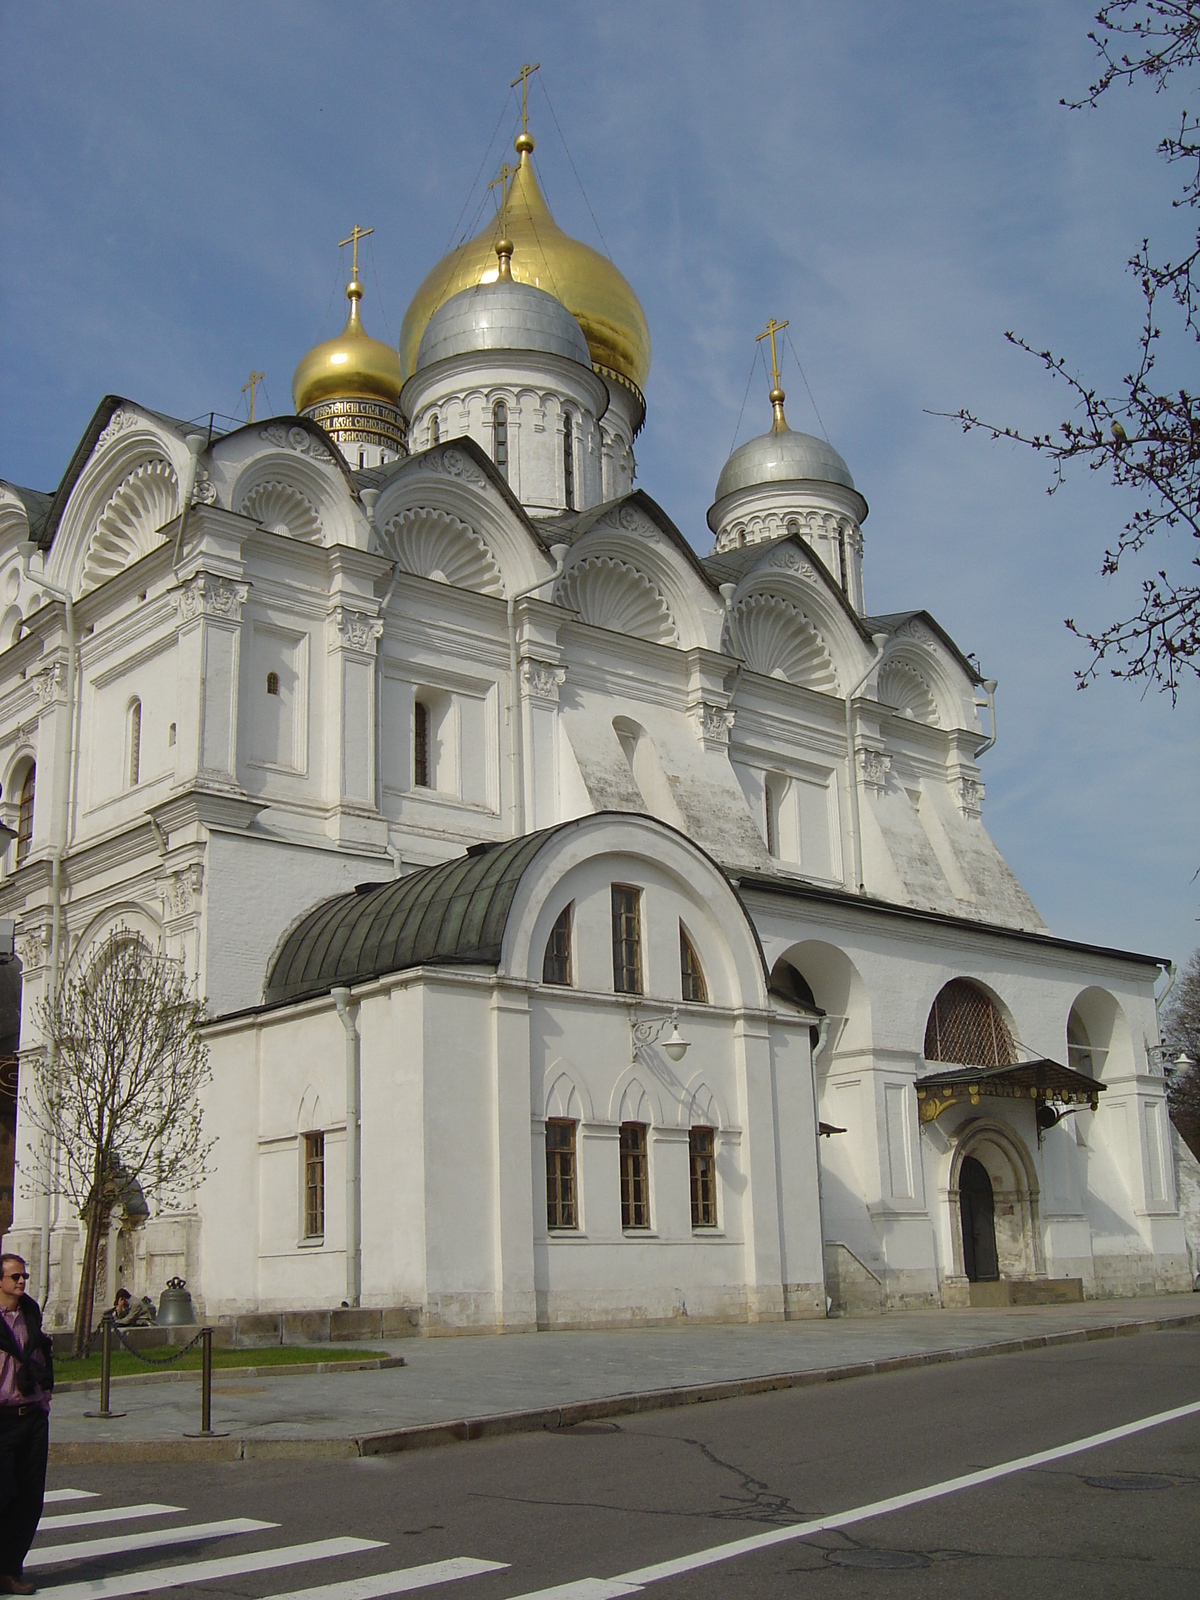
{"points": [[1147, 438], [117, 1090], [1181, 1036]]}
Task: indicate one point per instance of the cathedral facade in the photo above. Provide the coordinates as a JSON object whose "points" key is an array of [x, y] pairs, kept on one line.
{"points": [[592, 931]]}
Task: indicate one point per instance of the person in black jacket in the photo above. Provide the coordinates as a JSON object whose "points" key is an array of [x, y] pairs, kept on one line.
{"points": [[26, 1379]]}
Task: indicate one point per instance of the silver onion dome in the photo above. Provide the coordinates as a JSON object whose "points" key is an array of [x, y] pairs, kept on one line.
{"points": [[504, 315], [782, 456]]}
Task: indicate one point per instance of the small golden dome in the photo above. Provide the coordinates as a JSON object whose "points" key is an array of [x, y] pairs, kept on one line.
{"points": [[587, 283], [352, 366]]}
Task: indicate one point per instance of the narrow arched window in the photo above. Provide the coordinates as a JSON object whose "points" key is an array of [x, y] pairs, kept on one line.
{"points": [[500, 437], [965, 1027], [420, 745], [556, 963], [272, 683], [135, 742], [435, 430], [568, 461], [691, 973], [25, 814]]}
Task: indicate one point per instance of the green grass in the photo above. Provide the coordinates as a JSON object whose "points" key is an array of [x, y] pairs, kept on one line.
{"points": [[275, 1355]]}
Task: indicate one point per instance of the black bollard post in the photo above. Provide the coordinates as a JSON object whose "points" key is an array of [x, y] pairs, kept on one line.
{"points": [[206, 1380], [106, 1333]]}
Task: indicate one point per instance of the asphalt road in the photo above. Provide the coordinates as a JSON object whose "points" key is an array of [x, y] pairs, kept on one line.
{"points": [[606, 1501]]}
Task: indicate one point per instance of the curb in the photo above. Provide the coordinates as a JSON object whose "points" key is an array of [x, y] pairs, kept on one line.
{"points": [[423, 1436], [292, 1369]]}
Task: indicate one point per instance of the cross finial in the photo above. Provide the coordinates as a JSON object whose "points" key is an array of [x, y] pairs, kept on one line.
{"points": [[249, 387], [523, 78], [356, 233], [776, 395]]}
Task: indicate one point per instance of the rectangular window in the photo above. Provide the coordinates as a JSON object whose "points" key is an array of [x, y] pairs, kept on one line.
{"points": [[635, 1176], [627, 939], [561, 1211], [704, 1178], [420, 745], [556, 963], [314, 1185]]}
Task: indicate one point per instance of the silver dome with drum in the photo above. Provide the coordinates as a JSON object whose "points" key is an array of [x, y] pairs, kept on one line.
{"points": [[503, 315]]}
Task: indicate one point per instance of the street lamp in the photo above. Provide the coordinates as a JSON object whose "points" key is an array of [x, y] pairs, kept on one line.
{"points": [[650, 1030]]}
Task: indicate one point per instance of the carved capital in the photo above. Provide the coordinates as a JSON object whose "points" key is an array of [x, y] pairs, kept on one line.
{"points": [[970, 797], [353, 630], [542, 679], [874, 766], [208, 596], [33, 948], [713, 722], [51, 683], [181, 892]]}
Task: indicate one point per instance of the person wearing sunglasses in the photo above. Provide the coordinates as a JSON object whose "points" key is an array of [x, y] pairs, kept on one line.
{"points": [[26, 1379]]}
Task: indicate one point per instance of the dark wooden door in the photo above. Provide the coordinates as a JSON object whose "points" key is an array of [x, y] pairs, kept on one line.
{"points": [[978, 1222]]}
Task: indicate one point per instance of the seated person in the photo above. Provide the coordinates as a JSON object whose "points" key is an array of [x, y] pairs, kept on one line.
{"points": [[130, 1313]]}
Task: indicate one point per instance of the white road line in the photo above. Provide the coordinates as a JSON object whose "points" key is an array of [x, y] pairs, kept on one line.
{"points": [[386, 1583], [83, 1549], [53, 1496], [629, 1582], [206, 1571], [91, 1519]]}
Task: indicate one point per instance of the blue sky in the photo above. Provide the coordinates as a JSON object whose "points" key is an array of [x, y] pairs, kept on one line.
{"points": [[899, 181]]}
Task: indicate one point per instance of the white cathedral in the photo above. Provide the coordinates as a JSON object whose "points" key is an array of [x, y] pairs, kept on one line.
{"points": [[592, 931]]}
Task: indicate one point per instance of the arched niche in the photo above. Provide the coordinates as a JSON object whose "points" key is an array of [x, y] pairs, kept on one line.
{"points": [[907, 689], [629, 538], [967, 1026], [130, 917], [301, 496], [431, 543], [1016, 1198], [609, 592], [648, 772], [835, 984], [1099, 1041]]}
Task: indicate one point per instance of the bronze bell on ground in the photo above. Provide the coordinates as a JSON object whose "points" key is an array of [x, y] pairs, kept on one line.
{"points": [[175, 1305]]}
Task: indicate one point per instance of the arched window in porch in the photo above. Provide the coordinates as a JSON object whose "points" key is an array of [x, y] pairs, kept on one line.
{"points": [[966, 1028]]}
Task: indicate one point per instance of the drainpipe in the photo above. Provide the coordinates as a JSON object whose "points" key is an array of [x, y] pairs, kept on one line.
{"points": [[341, 999], [879, 640], [818, 1049], [516, 755], [370, 498], [990, 686], [62, 768]]}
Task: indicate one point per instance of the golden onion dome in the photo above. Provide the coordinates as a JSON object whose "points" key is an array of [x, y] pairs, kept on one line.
{"points": [[352, 366], [587, 283]]}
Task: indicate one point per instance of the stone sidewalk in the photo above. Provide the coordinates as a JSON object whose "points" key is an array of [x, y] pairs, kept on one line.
{"points": [[474, 1387]]}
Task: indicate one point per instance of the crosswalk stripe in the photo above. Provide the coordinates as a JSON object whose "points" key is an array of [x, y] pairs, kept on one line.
{"points": [[157, 1578], [82, 1549], [90, 1519], [386, 1583], [587, 1589], [53, 1496]]}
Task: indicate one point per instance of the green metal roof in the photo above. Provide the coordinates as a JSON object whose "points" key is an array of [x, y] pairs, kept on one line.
{"points": [[453, 914]]}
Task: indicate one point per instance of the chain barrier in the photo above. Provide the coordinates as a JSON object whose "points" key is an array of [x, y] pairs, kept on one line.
{"points": [[155, 1361], [204, 1338]]}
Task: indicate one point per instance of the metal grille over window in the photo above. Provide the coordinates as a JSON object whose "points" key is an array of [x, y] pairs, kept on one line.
{"points": [[135, 742], [420, 745], [500, 437], [272, 683], [965, 1028], [691, 973], [314, 1185], [569, 461], [560, 1174], [25, 814], [556, 963], [704, 1177], [635, 1176], [627, 939]]}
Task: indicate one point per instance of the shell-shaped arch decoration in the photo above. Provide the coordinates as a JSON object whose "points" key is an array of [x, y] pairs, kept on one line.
{"points": [[610, 593], [131, 524], [902, 687], [283, 508], [429, 543], [779, 641]]}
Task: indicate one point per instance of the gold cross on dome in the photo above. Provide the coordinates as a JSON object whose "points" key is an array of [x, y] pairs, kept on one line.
{"points": [[502, 178], [250, 385], [769, 332], [356, 233], [523, 78]]}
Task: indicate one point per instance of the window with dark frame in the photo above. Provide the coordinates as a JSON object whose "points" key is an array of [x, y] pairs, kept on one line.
{"points": [[314, 1185], [135, 742], [500, 437], [25, 814], [556, 963], [635, 1176], [435, 431], [627, 939], [691, 973], [568, 461], [272, 683], [561, 1210], [704, 1177], [420, 745]]}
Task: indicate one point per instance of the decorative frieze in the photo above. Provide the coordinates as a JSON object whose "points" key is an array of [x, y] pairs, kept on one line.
{"points": [[205, 491], [297, 439], [209, 596], [120, 422], [454, 464], [790, 560]]}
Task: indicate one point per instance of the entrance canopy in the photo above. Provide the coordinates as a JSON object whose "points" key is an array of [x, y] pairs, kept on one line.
{"points": [[1039, 1081]]}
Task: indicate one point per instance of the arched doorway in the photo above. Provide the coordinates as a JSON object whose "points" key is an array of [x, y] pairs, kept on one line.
{"points": [[977, 1209]]}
